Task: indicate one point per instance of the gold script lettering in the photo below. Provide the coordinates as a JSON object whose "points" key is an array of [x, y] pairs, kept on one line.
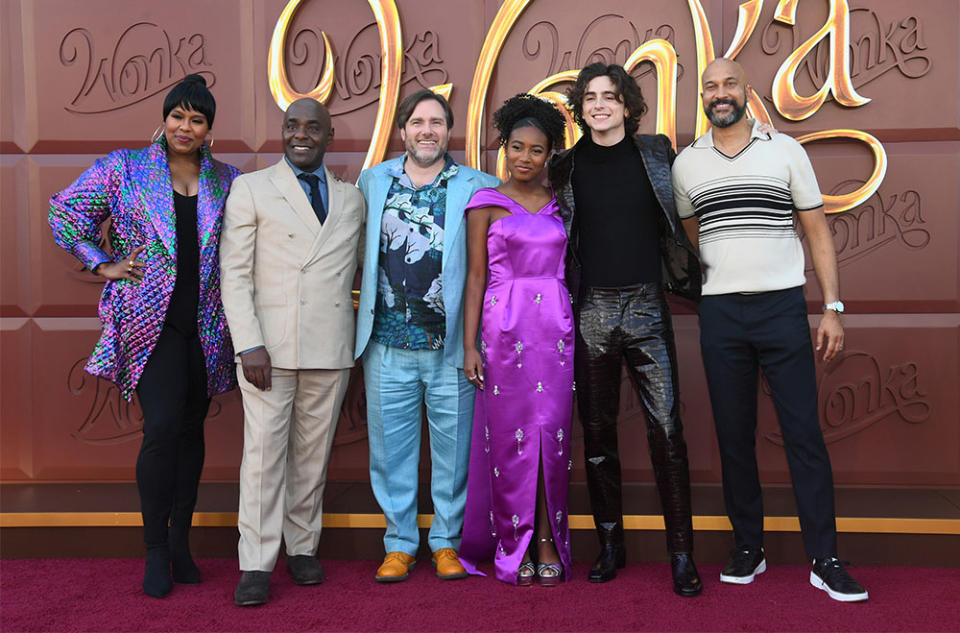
{"points": [[845, 202], [837, 27], [391, 55]]}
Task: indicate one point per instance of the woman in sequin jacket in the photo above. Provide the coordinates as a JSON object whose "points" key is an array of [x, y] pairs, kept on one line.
{"points": [[164, 335]]}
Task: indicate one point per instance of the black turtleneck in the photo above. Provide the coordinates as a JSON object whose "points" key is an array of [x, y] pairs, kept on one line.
{"points": [[617, 215]]}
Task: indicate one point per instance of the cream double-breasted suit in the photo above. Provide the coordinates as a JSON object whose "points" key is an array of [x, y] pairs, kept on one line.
{"points": [[286, 285]]}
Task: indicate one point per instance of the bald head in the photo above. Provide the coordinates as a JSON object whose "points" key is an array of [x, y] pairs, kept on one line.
{"points": [[724, 92], [723, 68], [307, 131]]}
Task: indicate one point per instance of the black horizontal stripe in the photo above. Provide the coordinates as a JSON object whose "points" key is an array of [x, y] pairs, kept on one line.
{"points": [[779, 192], [743, 203]]}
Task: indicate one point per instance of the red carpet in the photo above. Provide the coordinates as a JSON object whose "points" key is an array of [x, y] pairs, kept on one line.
{"points": [[105, 595]]}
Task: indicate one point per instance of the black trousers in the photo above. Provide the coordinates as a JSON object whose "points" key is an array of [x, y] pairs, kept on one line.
{"points": [[631, 323], [173, 396], [770, 330]]}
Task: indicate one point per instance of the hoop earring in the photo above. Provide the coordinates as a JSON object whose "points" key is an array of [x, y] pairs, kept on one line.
{"points": [[210, 142], [157, 133]]}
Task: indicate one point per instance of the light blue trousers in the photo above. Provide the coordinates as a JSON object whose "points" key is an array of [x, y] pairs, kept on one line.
{"points": [[398, 382]]}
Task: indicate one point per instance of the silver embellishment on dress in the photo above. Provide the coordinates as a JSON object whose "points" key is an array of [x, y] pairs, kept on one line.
{"points": [[493, 526], [493, 300], [483, 349], [519, 436], [560, 440], [539, 386], [496, 390], [516, 523], [560, 346], [538, 299], [570, 465], [496, 471], [571, 296], [519, 348], [486, 433], [574, 385], [558, 516]]}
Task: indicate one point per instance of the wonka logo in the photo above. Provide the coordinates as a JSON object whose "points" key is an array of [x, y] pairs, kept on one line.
{"points": [[145, 61]]}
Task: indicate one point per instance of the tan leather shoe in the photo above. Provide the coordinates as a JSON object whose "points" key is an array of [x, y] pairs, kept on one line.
{"points": [[448, 565], [396, 567]]}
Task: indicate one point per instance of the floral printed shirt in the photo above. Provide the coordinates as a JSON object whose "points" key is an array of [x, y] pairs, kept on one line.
{"points": [[409, 311]]}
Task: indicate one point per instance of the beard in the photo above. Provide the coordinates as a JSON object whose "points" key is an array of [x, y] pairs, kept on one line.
{"points": [[422, 158], [726, 121]]}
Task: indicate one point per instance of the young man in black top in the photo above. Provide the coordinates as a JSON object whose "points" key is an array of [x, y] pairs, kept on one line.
{"points": [[626, 248]]}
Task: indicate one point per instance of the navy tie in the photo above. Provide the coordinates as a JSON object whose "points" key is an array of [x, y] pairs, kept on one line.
{"points": [[315, 198]]}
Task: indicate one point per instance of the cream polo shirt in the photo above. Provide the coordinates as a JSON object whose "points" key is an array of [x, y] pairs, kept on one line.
{"points": [[744, 206]]}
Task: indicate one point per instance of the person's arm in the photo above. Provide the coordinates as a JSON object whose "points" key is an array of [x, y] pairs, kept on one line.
{"points": [[478, 223], [688, 217], [814, 224], [76, 214], [238, 242], [692, 227]]}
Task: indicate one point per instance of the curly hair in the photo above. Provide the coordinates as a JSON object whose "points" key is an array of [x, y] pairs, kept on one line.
{"points": [[628, 93], [525, 110]]}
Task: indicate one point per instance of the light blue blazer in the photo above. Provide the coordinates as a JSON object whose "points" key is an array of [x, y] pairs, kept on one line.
{"points": [[374, 184]]}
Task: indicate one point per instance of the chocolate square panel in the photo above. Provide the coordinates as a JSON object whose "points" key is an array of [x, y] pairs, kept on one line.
{"points": [[898, 250], [903, 61], [102, 73], [84, 429]]}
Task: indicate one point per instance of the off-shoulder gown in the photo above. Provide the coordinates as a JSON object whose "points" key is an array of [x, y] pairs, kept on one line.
{"points": [[523, 414]]}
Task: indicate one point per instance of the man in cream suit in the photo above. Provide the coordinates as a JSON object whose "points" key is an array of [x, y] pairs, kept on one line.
{"points": [[288, 255], [410, 334]]}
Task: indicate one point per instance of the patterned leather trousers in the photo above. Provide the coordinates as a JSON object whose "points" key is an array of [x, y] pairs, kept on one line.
{"points": [[633, 323]]}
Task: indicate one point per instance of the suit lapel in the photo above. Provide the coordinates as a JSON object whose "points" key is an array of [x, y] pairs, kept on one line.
{"points": [[289, 187], [456, 201], [335, 213], [156, 193], [210, 196], [379, 188]]}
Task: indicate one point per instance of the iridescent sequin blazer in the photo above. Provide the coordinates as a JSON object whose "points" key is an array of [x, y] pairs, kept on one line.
{"points": [[132, 188]]}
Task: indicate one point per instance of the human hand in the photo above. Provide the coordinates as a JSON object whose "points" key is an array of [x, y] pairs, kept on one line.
{"points": [[832, 330], [767, 128], [256, 368], [130, 268], [473, 367]]}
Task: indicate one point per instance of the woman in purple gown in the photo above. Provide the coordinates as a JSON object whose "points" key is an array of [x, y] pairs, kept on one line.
{"points": [[522, 360]]}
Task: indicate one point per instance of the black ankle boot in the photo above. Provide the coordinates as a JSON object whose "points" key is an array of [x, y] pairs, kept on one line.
{"points": [[185, 571], [156, 573], [609, 560], [686, 580]]}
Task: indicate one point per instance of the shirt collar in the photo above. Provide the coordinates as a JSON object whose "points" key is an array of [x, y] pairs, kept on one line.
{"points": [[707, 139], [319, 171], [450, 169]]}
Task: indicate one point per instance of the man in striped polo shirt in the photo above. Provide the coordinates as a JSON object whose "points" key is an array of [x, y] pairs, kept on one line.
{"points": [[738, 191]]}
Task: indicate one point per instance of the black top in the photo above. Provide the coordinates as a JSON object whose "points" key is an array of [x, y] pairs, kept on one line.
{"points": [[185, 300], [617, 215]]}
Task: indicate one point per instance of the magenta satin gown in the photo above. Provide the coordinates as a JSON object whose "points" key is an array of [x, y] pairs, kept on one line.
{"points": [[523, 413]]}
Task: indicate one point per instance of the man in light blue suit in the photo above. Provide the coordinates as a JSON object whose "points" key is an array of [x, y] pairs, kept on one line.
{"points": [[410, 334]]}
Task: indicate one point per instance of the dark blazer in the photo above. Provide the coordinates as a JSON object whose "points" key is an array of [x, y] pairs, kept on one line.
{"points": [[680, 264]]}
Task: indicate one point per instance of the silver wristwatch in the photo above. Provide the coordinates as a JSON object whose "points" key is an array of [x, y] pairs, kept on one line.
{"points": [[836, 306]]}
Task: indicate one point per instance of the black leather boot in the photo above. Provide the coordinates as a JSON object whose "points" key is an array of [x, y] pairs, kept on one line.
{"points": [[686, 580], [612, 556]]}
